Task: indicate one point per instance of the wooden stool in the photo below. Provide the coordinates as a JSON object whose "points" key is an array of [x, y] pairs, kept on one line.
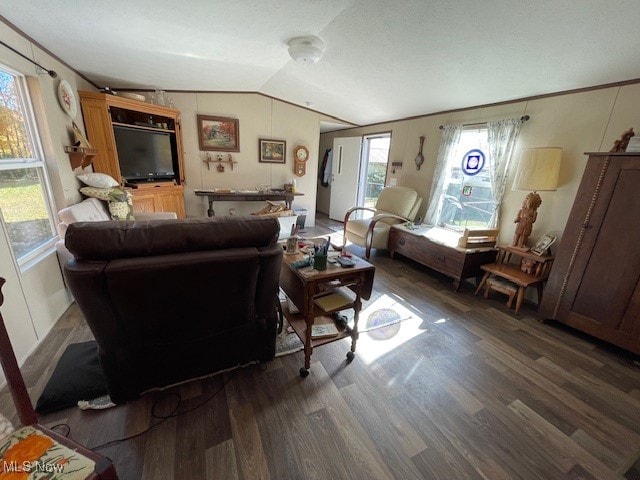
{"points": [[503, 286]]}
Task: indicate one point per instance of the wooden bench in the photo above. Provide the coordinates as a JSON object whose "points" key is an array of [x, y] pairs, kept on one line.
{"points": [[503, 286], [438, 249]]}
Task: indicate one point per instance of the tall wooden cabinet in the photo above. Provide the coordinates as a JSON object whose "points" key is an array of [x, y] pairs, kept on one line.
{"points": [[594, 283], [101, 113]]}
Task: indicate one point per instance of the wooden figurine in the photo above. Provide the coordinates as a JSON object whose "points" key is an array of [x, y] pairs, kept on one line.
{"points": [[525, 219], [528, 266], [208, 161], [621, 145]]}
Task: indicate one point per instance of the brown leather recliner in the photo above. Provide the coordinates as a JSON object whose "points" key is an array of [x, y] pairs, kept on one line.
{"points": [[173, 300]]}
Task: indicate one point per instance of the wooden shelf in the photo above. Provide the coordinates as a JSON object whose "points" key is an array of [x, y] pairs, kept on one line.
{"points": [[299, 325], [80, 156], [143, 127]]}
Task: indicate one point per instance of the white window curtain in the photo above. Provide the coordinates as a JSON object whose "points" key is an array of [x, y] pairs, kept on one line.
{"points": [[450, 138], [503, 135]]}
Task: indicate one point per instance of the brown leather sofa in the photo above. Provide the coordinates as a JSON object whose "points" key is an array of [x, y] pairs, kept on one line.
{"points": [[173, 300]]}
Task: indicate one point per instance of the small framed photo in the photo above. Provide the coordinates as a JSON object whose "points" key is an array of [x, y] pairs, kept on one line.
{"points": [[220, 134], [542, 245], [634, 144], [272, 151]]}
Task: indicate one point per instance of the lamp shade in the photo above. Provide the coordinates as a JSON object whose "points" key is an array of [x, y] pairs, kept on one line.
{"points": [[538, 169]]}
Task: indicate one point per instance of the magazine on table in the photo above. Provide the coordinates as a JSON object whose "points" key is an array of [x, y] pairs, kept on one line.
{"points": [[325, 330]]}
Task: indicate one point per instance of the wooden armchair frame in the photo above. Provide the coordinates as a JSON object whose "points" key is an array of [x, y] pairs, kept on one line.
{"points": [[376, 218], [104, 469]]}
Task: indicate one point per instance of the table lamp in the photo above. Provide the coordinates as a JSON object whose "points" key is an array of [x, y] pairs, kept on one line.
{"points": [[538, 171]]}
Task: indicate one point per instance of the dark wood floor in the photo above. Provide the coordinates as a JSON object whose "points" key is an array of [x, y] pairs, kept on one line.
{"points": [[464, 390]]}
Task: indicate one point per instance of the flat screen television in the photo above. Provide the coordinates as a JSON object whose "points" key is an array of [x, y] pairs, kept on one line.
{"points": [[145, 155]]}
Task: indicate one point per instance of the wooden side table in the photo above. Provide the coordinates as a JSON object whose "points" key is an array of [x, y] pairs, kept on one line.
{"points": [[532, 270], [246, 196], [304, 285]]}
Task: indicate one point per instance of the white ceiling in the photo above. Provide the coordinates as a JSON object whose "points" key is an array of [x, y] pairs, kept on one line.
{"points": [[384, 59]]}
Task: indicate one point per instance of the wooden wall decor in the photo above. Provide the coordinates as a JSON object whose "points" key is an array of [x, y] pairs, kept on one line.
{"points": [[300, 157]]}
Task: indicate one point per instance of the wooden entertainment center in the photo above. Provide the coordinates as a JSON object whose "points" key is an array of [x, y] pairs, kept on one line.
{"points": [[102, 112]]}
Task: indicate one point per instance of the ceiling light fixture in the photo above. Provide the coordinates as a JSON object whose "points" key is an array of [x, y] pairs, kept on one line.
{"points": [[307, 50]]}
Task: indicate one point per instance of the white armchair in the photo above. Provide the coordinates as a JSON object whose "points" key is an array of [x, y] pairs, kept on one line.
{"points": [[93, 210], [395, 205]]}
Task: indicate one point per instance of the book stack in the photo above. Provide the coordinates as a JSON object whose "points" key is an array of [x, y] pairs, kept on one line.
{"points": [[337, 299], [324, 330]]}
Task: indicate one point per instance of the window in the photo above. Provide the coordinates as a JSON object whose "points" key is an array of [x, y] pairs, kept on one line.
{"points": [[467, 200], [25, 200], [373, 168], [471, 173]]}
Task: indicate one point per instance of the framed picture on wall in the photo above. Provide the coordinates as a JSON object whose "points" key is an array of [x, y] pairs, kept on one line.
{"points": [[272, 151], [221, 134]]}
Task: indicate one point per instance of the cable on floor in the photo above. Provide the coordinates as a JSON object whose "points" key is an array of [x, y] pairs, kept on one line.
{"points": [[174, 412]]}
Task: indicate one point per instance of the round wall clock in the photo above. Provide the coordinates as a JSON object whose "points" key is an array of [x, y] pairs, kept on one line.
{"points": [[301, 153], [300, 157], [67, 98]]}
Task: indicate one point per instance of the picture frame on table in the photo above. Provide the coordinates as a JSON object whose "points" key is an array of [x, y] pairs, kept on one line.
{"points": [[272, 151], [542, 245], [220, 134], [633, 145]]}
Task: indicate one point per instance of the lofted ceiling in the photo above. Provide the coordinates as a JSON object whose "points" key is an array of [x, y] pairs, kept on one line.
{"points": [[383, 60]]}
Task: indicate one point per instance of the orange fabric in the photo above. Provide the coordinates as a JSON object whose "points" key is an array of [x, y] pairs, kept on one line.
{"points": [[28, 449], [14, 475], [29, 453]]}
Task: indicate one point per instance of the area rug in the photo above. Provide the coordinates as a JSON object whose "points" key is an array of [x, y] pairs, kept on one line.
{"points": [[287, 342]]}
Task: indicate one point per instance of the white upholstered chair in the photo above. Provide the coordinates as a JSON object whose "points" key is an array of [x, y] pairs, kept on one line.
{"points": [[93, 210], [395, 205]]}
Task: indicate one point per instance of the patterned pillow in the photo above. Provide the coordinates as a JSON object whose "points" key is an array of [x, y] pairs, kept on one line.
{"points": [[120, 202], [121, 210], [99, 180], [99, 193], [106, 194]]}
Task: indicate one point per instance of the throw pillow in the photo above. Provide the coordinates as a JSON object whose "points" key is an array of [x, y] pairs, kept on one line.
{"points": [[120, 202], [99, 180], [106, 194], [94, 192], [121, 210]]}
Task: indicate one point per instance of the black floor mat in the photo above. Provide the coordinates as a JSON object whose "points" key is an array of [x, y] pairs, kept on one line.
{"points": [[77, 376]]}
